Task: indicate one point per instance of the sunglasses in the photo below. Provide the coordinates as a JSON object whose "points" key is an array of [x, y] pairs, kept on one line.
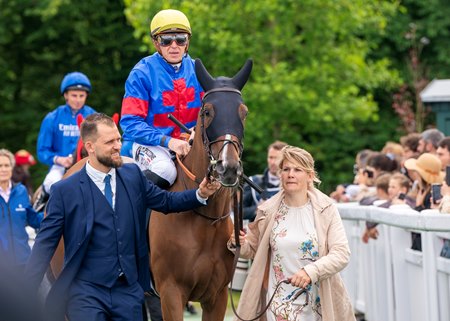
{"points": [[166, 40]]}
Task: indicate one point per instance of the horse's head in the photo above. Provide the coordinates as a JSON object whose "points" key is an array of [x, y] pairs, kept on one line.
{"points": [[222, 119]]}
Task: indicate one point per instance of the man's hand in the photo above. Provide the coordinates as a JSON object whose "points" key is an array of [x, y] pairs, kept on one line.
{"points": [[207, 188], [179, 146]]}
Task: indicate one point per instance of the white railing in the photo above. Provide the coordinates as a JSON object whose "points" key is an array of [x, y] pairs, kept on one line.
{"points": [[386, 280]]}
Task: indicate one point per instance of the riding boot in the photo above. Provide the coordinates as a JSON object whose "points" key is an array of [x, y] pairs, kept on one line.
{"points": [[156, 179], [41, 199]]}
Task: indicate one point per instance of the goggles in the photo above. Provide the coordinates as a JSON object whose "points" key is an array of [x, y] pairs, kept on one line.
{"points": [[165, 40]]}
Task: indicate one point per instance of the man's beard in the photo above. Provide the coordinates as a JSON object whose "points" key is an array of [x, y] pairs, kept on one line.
{"points": [[109, 162]]}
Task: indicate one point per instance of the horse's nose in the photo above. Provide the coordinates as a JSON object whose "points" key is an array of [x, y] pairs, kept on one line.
{"points": [[229, 172]]}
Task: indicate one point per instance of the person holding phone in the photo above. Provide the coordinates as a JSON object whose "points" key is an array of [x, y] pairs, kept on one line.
{"points": [[399, 191], [444, 208], [426, 170]]}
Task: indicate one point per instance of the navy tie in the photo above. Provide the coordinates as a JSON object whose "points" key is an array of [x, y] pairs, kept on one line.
{"points": [[108, 190]]}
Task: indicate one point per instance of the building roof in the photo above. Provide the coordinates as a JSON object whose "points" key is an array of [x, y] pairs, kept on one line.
{"points": [[436, 91]]}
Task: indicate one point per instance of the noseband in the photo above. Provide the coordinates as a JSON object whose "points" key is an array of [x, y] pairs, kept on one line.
{"points": [[228, 139]]}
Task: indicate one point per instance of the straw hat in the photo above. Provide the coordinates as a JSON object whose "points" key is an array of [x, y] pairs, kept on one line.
{"points": [[428, 166]]}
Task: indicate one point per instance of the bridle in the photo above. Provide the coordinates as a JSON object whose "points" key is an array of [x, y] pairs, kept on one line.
{"points": [[227, 140]]}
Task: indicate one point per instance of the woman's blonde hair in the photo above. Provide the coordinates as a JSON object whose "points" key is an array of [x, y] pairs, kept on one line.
{"points": [[8, 154], [301, 158]]}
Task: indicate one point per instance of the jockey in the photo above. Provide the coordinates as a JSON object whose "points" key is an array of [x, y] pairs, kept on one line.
{"points": [[161, 84], [59, 132]]}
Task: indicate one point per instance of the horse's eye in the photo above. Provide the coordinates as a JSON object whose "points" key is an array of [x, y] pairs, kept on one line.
{"points": [[206, 113]]}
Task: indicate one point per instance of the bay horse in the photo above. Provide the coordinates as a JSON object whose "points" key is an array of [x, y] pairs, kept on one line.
{"points": [[188, 251]]}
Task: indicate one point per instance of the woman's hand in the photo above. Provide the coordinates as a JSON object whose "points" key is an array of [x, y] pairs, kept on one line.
{"points": [[300, 279], [420, 198], [242, 238]]}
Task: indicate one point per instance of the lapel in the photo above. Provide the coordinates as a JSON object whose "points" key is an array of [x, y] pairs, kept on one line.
{"points": [[87, 200]]}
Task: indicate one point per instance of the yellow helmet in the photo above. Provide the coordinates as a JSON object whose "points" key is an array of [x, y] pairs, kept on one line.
{"points": [[167, 20]]}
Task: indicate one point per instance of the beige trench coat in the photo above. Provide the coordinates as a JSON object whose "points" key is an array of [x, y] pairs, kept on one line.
{"points": [[334, 255]]}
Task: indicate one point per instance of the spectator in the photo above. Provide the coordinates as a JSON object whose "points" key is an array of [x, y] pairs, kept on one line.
{"points": [[429, 140], [444, 208], [100, 211], [443, 152], [16, 214], [269, 181], [426, 170], [59, 133], [161, 84], [297, 236], [397, 189], [382, 195], [21, 171], [393, 151], [362, 183], [379, 163], [410, 144]]}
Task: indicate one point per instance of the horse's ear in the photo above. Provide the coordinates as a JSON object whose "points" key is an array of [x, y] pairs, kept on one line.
{"points": [[115, 118], [203, 75], [242, 76], [79, 120]]}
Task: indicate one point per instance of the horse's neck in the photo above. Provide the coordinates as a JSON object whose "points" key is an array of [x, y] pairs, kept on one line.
{"points": [[197, 161]]}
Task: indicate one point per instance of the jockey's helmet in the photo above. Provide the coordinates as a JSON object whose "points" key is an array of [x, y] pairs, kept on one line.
{"points": [[75, 81], [169, 20]]}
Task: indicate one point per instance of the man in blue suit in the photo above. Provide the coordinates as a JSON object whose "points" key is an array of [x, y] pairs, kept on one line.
{"points": [[100, 212]]}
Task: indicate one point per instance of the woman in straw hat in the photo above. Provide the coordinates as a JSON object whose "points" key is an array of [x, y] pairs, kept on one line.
{"points": [[426, 170]]}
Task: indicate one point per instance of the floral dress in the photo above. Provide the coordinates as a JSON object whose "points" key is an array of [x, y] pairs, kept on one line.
{"points": [[294, 244]]}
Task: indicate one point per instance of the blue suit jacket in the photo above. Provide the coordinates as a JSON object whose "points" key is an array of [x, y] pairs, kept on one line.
{"points": [[70, 213]]}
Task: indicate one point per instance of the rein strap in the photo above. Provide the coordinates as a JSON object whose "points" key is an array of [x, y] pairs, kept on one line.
{"points": [[186, 170]]}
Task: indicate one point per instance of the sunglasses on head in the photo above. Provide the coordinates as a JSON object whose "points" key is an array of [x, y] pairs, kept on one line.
{"points": [[180, 38]]}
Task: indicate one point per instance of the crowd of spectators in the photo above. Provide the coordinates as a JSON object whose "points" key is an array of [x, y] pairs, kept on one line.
{"points": [[409, 174]]}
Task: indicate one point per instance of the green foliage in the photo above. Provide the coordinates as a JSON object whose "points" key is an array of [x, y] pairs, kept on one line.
{"points": [[324, 71], [41, 41], [312, 81]]}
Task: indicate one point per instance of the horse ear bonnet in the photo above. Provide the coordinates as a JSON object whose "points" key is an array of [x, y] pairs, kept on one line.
{"points": [[208, 82], [203, 75], [242, 76]]}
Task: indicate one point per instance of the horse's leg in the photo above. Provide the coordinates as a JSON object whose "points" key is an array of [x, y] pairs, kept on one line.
{"points": [[172, 303], [215, 311]]}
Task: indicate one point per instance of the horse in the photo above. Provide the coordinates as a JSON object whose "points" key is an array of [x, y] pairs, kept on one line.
{"points": [[188, 251]]}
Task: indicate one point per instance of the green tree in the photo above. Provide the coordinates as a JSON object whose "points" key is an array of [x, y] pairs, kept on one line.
{"points": [[41, 41], [312, 81]]}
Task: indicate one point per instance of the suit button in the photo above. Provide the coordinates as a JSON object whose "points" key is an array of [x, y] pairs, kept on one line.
{"points": [[118, 230]]}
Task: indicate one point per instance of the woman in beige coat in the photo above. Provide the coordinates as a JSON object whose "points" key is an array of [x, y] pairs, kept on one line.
{"points": [[298, 236]]}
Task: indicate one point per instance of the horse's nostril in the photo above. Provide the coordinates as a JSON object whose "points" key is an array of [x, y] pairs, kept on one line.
{"points": [[220, 169]]}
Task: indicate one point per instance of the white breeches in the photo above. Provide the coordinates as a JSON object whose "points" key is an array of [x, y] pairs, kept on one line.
{"points": [[156, 159]]}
